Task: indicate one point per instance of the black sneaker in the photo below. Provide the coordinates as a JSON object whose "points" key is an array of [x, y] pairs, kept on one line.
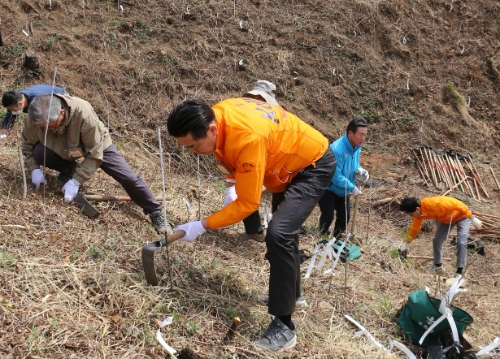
{"points": [[159, 223], [277, 337]]}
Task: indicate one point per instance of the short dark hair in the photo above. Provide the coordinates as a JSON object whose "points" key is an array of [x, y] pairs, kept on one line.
{"points": [[409, 204], [11, 98], [354, 124], [190, 116]]}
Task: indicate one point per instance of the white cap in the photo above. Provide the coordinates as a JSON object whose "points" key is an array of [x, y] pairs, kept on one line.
{"points": [[265, 89]]}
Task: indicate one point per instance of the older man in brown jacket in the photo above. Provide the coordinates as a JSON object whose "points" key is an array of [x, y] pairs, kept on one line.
{"points": [[75, 132]]}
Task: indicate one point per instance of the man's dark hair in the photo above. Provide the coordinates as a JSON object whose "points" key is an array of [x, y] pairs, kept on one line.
{"points": [[354, 124], [190, 116], [11, 98], [409, 204]]}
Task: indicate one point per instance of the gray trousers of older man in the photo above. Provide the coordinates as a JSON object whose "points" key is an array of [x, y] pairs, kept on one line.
{"points": [[442, 232], [114, 165]]}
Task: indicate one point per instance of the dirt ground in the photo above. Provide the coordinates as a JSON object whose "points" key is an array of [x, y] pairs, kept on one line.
{"points": [[423, 73]]}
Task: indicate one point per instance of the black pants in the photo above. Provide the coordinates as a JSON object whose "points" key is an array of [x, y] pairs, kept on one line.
{"points": [[253, 223], [114, 165], [328, 204], [291, 208]]}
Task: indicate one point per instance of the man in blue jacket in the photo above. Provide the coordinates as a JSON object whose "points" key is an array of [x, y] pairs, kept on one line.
{"points": [[336, 197], [17, 102]]}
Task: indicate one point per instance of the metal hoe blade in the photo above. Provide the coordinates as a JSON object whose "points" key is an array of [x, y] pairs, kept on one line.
{"points": [[148, 260], [148, 255], [87, 208]]}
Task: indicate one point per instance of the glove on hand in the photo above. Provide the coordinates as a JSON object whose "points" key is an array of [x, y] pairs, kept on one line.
{"points": [[193, 230], [37, 178], [70, 190], [230, 195], [476, 222], [356, 191], [363, 174]]}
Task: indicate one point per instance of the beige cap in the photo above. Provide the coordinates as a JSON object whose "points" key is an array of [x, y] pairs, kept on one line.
{"points": [[265, 89]]}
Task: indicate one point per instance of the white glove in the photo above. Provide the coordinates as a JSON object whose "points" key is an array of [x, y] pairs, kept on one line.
{"points": [[363, 174], [37, 177], [193, 230], [477, 223], [230, 195], [70, 190], [356, 191]]}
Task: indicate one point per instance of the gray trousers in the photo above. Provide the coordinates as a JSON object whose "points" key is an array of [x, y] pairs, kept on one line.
{"points": [[292, 207], [114, 165], [441, 235]]}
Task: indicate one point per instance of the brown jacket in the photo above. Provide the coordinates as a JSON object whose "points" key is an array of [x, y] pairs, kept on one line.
{"points": [[80, 129]]}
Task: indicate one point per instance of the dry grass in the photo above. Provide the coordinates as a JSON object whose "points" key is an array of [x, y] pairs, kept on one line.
{"points": [[74, 287]]}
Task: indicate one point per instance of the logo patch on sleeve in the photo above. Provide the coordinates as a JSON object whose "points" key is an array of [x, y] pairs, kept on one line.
{"points": [[248, 167]]}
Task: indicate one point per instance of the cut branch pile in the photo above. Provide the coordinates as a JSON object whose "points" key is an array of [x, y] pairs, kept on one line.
{"points": [[491, 226], [449, 170]]}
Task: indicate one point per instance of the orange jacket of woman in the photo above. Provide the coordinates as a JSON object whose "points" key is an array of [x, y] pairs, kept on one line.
{"points": [[441, 208], [260, 144]]}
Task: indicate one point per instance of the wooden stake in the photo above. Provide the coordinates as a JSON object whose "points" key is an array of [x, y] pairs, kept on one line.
{"points": [[454, 187], [422, 161], [462, 171], [431, 165], [495, 177], [478, 177]]}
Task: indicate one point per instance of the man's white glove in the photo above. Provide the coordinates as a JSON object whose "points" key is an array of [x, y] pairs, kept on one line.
{"points": [[70, 190], [476, 222], [363, 174], [356, 191], [37, 177], [193, 230], [230, 195]]}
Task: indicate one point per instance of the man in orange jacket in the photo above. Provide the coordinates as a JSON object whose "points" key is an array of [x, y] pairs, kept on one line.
{"points": [[448, 212], [259, 144]]}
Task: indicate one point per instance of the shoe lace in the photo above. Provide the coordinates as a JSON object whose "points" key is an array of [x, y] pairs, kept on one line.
{"points": [[272, 332], [157, 219]]}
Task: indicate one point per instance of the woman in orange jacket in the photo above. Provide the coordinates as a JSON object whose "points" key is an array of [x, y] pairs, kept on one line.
{"points": [[448, 212], [259, 144]]}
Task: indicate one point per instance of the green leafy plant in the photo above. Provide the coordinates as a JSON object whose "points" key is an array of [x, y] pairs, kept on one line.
{"points": [[7, 259], [95, 251]]}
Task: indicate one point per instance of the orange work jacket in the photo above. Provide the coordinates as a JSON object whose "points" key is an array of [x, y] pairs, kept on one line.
{"points": [[260, 144], [441, 208]]}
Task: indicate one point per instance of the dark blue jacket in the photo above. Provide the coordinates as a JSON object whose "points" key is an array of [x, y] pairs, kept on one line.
{"points": [[347, 163], [30, 93]]}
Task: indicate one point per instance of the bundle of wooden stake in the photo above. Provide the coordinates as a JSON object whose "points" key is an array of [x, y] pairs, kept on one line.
{"points": [[449, 171], [491, 226]]}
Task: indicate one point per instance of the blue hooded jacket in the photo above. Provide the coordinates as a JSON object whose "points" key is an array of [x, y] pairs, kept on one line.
{"points": [[347, 163], [30, 93]]}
